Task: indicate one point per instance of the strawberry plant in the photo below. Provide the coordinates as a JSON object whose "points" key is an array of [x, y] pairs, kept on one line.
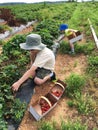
{"points": [[17, 110], [3, 59], [46, 37], [13, 44], [50, 25], [9, 73]]}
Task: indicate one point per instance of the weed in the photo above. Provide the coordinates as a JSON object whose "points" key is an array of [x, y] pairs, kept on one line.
{"points": [[75, 64], [92, 65], [73, 126], [70, 103], [75, 83], [86, 48], [46, 126], [1, 42], [84, 103]]}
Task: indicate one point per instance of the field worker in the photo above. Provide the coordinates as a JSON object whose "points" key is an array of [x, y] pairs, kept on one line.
{"points": [[67, 32], [42, 62]]}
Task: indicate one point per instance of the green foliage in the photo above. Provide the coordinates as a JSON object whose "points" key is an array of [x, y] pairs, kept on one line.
{"points": [[11, 51], [1, 42], [93, 61], [13, 44], [86, 48], [18, 110], [73, 126], [22, 62], [84, 103], [69, 125], [93, 65], [1, 28], [6, 99], [4, 28], [3, 58], [64, 47], [21, 19], [75, 83], [46, 37], [6, 93], [70, 103], [46, 126], [9, 74], [50, 25], [12, 61], [3, 124]]}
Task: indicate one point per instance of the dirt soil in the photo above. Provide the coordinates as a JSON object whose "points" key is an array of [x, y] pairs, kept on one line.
{"points": [[65, 65]]}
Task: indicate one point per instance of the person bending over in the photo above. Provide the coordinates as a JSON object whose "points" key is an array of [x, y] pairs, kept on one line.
{"points": [[42, 62], [68, 33]]}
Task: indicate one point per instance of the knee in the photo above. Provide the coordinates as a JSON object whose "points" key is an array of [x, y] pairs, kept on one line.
{"points": [[38, 81]]}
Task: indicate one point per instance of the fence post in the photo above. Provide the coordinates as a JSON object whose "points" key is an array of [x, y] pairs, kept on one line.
{"points": [[93, 32]]}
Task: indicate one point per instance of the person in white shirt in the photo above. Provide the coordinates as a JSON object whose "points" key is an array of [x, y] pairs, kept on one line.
{"points": [[42, 60]]}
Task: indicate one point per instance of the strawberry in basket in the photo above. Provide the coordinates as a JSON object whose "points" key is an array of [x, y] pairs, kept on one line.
{"points": [[57, 89], [57, 93], [45, 104]]}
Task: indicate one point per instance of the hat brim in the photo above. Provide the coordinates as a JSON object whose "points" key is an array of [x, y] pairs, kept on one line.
{"points": [[26, 47]]}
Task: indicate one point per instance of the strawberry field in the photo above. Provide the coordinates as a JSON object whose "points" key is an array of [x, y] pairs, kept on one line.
{"points": [[82, 87]]}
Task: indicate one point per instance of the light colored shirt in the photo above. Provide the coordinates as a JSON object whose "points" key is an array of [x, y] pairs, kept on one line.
{"points": [[45, 59], [68, 32]]}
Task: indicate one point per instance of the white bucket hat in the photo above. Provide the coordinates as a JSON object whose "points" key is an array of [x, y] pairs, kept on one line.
{"points": [[33, 42]]}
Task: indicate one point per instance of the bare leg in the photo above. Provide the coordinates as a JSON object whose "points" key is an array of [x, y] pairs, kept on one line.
{"points": [[71, 46], [39, 81]]}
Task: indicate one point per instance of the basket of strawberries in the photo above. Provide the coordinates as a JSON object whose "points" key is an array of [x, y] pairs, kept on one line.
{"points": [[57, 90], [45, 104]]}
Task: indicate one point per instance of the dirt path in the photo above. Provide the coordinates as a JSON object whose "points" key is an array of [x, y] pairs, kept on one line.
{"points": [[65, 65]]}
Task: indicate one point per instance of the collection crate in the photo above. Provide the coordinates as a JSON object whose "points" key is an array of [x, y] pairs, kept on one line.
{"points": [[76, 38], [47, 102]]}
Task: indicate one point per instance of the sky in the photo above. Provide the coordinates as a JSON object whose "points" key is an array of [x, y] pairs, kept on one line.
{"points": [[30, 1], [26, 1]]}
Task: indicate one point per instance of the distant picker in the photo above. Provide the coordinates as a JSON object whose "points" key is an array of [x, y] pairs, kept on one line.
{"points": [[71, 34]]}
